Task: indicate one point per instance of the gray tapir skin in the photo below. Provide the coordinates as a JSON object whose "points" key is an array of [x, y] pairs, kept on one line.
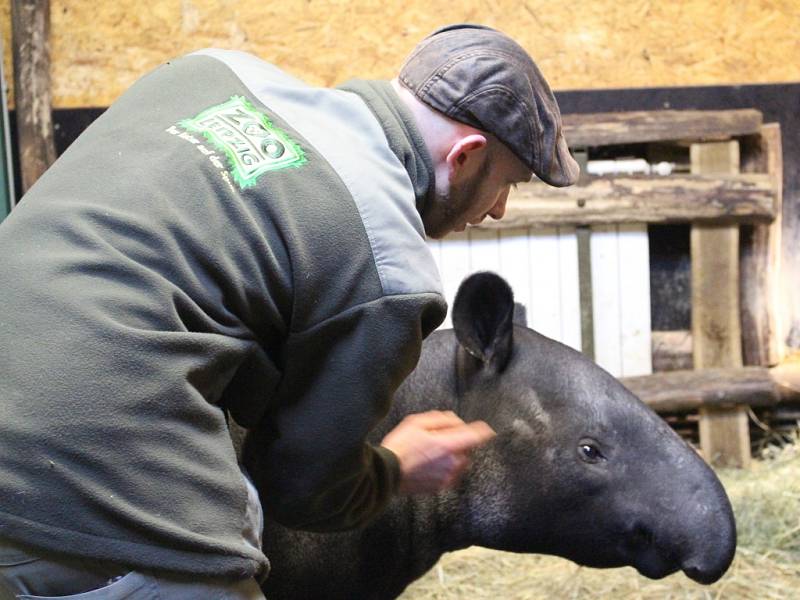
{"points": [[580, 468]]}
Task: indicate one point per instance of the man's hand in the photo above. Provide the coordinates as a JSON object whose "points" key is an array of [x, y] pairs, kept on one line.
{"points": [[433, 449]]}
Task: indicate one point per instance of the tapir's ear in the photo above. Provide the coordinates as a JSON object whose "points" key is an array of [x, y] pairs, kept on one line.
{"points": [[482, 318]]}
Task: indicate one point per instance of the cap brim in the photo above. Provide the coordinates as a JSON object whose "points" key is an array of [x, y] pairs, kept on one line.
{"points": [[564, 170]]}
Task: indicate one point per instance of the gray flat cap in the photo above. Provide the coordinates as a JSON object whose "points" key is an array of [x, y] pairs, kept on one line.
{"points": [[483, 78]]}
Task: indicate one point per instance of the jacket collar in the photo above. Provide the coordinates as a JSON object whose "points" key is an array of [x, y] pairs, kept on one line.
{"points": [[402, 133]]}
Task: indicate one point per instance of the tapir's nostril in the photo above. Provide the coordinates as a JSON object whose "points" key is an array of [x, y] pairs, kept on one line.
{"points": [[692, 572], [700, 575]]}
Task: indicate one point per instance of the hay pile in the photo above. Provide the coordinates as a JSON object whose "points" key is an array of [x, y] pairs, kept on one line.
{"points": [[766, 500]]}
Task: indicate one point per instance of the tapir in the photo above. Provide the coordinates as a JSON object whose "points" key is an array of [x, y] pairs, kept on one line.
{"points": [[580, 468]]}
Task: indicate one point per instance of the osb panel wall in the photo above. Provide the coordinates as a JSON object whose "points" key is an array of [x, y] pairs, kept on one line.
{"points": [[100, 48]]}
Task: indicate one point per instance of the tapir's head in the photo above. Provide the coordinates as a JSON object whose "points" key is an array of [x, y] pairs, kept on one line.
{"points": [[580, 468]]}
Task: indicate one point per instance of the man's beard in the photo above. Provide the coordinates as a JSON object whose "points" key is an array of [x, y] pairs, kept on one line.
{"points": [[448, 207]]}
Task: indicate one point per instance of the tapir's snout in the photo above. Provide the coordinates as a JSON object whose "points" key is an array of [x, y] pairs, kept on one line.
{"points": [[715, 551], [705, 575], [709, 567], [694, 529], [703, 555], [707, 520]]}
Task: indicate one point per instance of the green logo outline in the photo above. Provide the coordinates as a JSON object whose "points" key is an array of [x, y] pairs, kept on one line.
{"points": [[249, 140]]}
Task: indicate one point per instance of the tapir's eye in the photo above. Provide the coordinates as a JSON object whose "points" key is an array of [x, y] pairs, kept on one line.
{"points": [[590, 453]]}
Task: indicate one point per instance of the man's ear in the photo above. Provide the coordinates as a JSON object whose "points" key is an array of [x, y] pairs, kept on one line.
{"points": [[463, 159]]}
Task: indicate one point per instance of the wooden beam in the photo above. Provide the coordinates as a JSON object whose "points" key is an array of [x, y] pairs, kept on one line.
{"points": [[605, 129], [642, 199], [725, 436], [689, 390], [716, 330], [586, 299], [761, 258], [32, 94], [7, 194], [716, 326], [787, 377], [672, 350]]}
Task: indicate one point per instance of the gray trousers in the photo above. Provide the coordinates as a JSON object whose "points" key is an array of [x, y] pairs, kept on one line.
{"points": [[28, 575]]}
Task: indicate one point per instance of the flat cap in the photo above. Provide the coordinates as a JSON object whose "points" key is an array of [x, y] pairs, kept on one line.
{"points": [[481, 77]]}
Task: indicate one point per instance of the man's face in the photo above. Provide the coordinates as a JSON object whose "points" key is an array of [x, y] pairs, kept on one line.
{"points": [[470, 200]]}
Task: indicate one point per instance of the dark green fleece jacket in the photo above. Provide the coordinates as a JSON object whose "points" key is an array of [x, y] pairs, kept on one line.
{"points": [[223, 238]]}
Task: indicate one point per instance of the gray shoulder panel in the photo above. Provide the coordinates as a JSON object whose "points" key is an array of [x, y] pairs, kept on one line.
{"points": [[343, 129]]}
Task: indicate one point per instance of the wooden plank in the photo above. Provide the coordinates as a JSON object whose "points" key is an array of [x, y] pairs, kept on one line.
{"points": [[607, 317], [569, 287], [32, 94], [7, 194], [642, 199], [454, 267], [634, 283], [484, 250], [544, 312], [716, 329], [584, 237], [725, 436], [761, 260], [690, 390], [515, 265], [621, 299], [604, 129], [672, 350], [787, 377]]}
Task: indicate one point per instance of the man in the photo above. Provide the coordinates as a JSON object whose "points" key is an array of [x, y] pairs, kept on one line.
{"points": [[227, 241]]}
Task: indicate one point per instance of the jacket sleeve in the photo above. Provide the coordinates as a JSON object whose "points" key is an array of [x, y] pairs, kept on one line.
{"points": [[309, 457]]}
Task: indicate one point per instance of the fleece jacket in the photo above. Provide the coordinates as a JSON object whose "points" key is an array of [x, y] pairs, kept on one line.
{"points": [[223, 240]]}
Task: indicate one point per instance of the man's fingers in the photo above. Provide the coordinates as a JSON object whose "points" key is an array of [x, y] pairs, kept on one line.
{"points": [[433, 449], [435, 419], [465, 437]]}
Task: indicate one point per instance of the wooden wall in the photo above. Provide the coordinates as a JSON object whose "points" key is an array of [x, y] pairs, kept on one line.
{"points": [[100, 47]]}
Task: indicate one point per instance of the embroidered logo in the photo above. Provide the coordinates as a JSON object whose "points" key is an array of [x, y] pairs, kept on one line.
{"points": [[252, 144]]}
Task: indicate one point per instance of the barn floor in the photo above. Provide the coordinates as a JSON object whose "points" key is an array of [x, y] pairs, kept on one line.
{"points": [[766, 500]]}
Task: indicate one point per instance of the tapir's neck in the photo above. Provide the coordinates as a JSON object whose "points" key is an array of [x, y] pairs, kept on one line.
{"points": [[436, 524], [431, 527], [423, 528]]}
